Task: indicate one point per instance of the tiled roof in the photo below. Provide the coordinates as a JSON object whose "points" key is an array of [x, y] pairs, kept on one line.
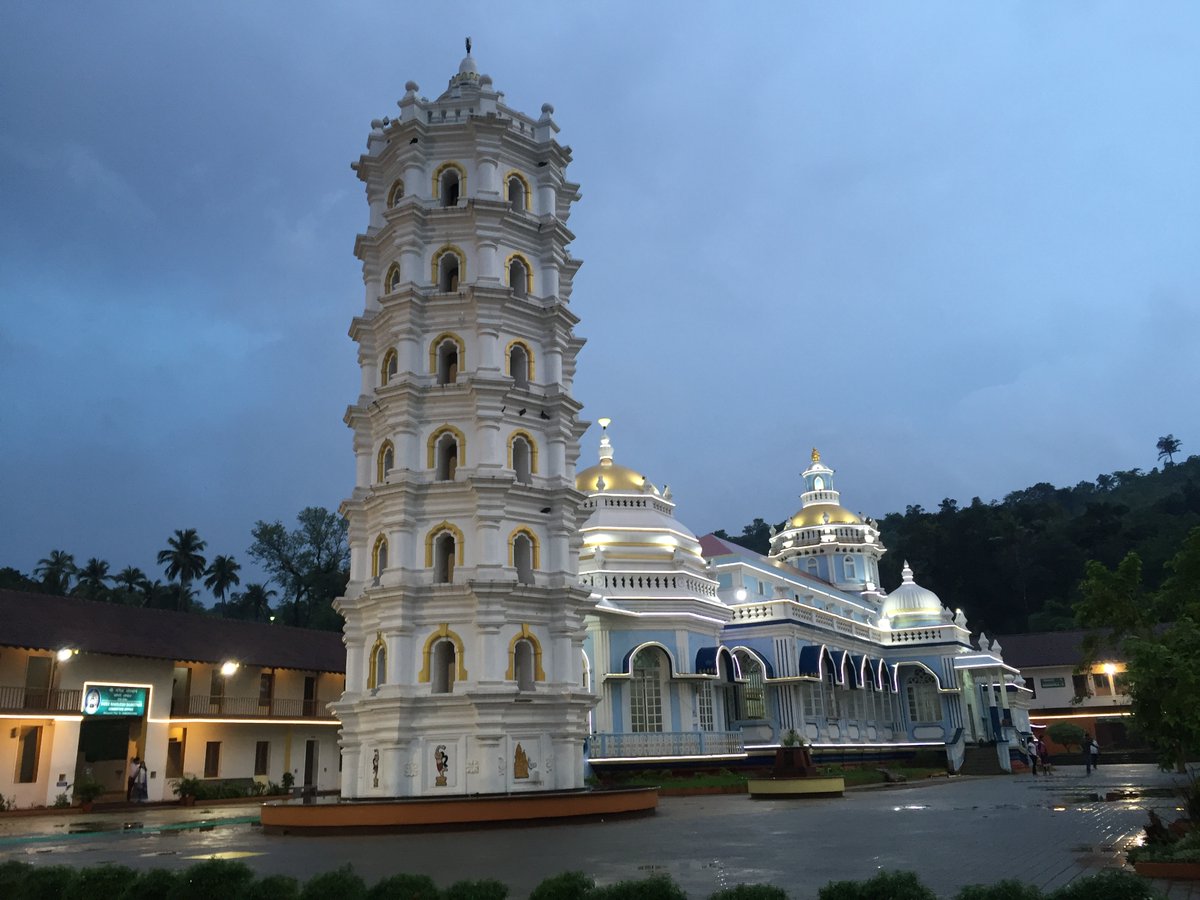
{"points": [[1046, 648], [712, 546], [46, 622]]}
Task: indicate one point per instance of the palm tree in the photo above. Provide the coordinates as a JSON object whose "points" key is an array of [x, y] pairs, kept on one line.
{"points": [[1168, 446], [132, 581], [93, 579], [222, 575], [56, 571], [182, 560], [255, 603]]}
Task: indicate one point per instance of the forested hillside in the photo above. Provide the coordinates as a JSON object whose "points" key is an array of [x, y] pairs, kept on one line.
{"points": [[1015, 564]]}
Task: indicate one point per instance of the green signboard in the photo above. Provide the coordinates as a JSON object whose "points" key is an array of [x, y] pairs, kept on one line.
{"points": [[1053, 682], [114, 700]]}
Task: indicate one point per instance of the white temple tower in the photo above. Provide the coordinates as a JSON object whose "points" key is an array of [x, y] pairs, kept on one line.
{"points": [[464, 614]]}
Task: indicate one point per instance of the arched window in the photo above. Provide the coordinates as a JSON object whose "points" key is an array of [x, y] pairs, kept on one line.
{"points": [[447, 457], [523, 456], [812, 566], [387, 459], [443, 663], [753, 699], [377, 664], [520, 275], [379, 557], [396, 192], [818, 483], [444, 551], [523, 554], [448, 273], [921, 691], [518, 191], [520, 363], [523, 665], [449, 183], [447, 359], [389, 367], [646, 692], [391, 281], [848, 568]]}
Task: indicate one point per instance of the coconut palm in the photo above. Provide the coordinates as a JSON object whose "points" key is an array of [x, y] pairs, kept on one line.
{"points": [[56, 571], [1167, 447], [222, 574], [255, 603], [182, 560], [93, 579], [133, 585]]}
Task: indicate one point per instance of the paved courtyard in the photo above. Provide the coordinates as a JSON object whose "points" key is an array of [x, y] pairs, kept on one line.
{"points": [[1047, 830]]}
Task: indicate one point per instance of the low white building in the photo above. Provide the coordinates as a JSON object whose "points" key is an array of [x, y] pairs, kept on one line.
{"points": [[87, 686]]}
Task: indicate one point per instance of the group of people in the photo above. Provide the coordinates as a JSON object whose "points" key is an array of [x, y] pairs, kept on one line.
{"points": [[138, 787], [1036, 751]]}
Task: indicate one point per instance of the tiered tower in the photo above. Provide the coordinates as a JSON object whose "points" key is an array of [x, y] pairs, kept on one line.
{"points": [[464, 614]]}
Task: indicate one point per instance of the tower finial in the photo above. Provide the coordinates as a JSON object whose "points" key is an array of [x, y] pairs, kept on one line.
{"points": [[816, 457], [468, 45], [606, 448]]}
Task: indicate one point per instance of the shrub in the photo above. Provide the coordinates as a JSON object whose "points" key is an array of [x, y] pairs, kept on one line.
{"points": [[343, 883], [12, 877], [404, 887], [1001, 890], [658, 887], [273, 887], [47, 882], [1111, 884], [101, 881], [883, 886], [188, 786], [751, 892], [212, 878], [61, 801], [483, 889], [157, 884], [565, 886]]}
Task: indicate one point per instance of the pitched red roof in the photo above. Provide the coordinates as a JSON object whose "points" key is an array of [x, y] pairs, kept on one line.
{"points": [[46, 622]]}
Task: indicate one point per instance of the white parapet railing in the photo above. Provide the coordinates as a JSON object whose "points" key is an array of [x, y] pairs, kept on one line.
{"points": [[659, 744]]}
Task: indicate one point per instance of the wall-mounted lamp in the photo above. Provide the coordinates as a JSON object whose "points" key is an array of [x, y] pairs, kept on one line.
{"points": [[1109, 669], [228, 667], [65, 653]]}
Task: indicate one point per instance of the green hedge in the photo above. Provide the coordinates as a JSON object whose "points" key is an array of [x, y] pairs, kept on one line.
{"points": [[217, 879]]}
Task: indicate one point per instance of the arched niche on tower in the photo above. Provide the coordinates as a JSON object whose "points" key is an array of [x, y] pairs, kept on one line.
{"points": [[524, 553], [385, 460], [447, 357], [444, 551], [443, 633], [517, 193], [391, 279], [449, 183], [449, 268], [390, 367], [518, 273], [518, 363], [377, 663], [379, 556], [395, 193], [446, 452], [523, 455], [516, 670]]}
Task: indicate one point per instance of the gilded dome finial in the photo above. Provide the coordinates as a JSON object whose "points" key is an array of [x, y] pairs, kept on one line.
{"points": [[816, 456], [606, 448]]}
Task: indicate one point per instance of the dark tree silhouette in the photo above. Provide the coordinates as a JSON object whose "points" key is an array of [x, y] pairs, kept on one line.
{"points": [[182, 560], [1168, 446]]}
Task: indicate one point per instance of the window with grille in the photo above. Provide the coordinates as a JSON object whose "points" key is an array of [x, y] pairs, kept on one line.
{"points": [[754, 704], [704, 705], [212, 759], [923, 703], [645, 709]]}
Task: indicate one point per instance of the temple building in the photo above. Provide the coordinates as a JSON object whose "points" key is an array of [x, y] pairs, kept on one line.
{"points": [[464, 612]]}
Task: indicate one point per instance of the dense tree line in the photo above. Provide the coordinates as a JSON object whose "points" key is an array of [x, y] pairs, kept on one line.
{"points": [[308, 566], [1016, 564]]}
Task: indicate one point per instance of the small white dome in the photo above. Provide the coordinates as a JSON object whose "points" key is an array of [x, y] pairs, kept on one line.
{"points": [[910, 604], [467, 66]]}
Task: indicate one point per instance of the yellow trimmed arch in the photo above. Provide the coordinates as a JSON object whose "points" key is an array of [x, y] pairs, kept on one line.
{"points": [[533, 450], [535, 545], [435, 267], [508, 176], [529, 366], [373, 661], [524, 634], [508, 271], [431, 445], [381, 544], [395, 192], [385, 368], [391, 280], [437, 342], [443, 633], [437, 179], [434, 532], [381, 466]]}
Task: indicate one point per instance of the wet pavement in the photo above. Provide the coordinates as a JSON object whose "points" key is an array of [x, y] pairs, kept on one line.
{"points": [[1046, 830]]}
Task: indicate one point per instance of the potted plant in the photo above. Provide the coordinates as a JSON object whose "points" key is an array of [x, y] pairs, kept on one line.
{"points": [[87, 790], [186, 789]]}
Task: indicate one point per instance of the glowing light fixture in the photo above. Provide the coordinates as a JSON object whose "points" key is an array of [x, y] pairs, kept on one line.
{"points": [[741, 595], [64, 654], [228, 667], [1109, 669], [604, 422]]}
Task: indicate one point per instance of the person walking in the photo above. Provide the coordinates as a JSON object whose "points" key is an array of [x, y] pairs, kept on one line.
{"points": [[1031, 748], [1086, 747], [1094, 754], [141, 784], [132, 780], [1043, 757]]}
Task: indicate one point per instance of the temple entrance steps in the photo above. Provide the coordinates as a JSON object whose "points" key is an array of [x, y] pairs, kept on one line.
{"points": [[981, 760]]}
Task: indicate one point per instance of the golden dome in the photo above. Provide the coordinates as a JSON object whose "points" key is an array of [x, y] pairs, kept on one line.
{"points": [[616, 478], [815, 515]]}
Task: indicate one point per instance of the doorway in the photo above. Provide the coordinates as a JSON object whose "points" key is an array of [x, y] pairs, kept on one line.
{"points": [[310, 763]]}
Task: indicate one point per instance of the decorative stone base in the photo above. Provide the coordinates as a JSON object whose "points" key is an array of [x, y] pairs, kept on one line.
{"points": [[375, 816], [785, 788]]}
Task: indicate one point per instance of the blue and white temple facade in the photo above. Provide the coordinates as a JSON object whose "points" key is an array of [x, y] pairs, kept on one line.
{"points": [[703, 650]]}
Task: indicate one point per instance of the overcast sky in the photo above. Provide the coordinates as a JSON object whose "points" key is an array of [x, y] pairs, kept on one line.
{"points": [[956, 246]]}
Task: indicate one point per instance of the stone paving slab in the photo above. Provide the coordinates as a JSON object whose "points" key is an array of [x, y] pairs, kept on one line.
{"points": [[1046, 830]]}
